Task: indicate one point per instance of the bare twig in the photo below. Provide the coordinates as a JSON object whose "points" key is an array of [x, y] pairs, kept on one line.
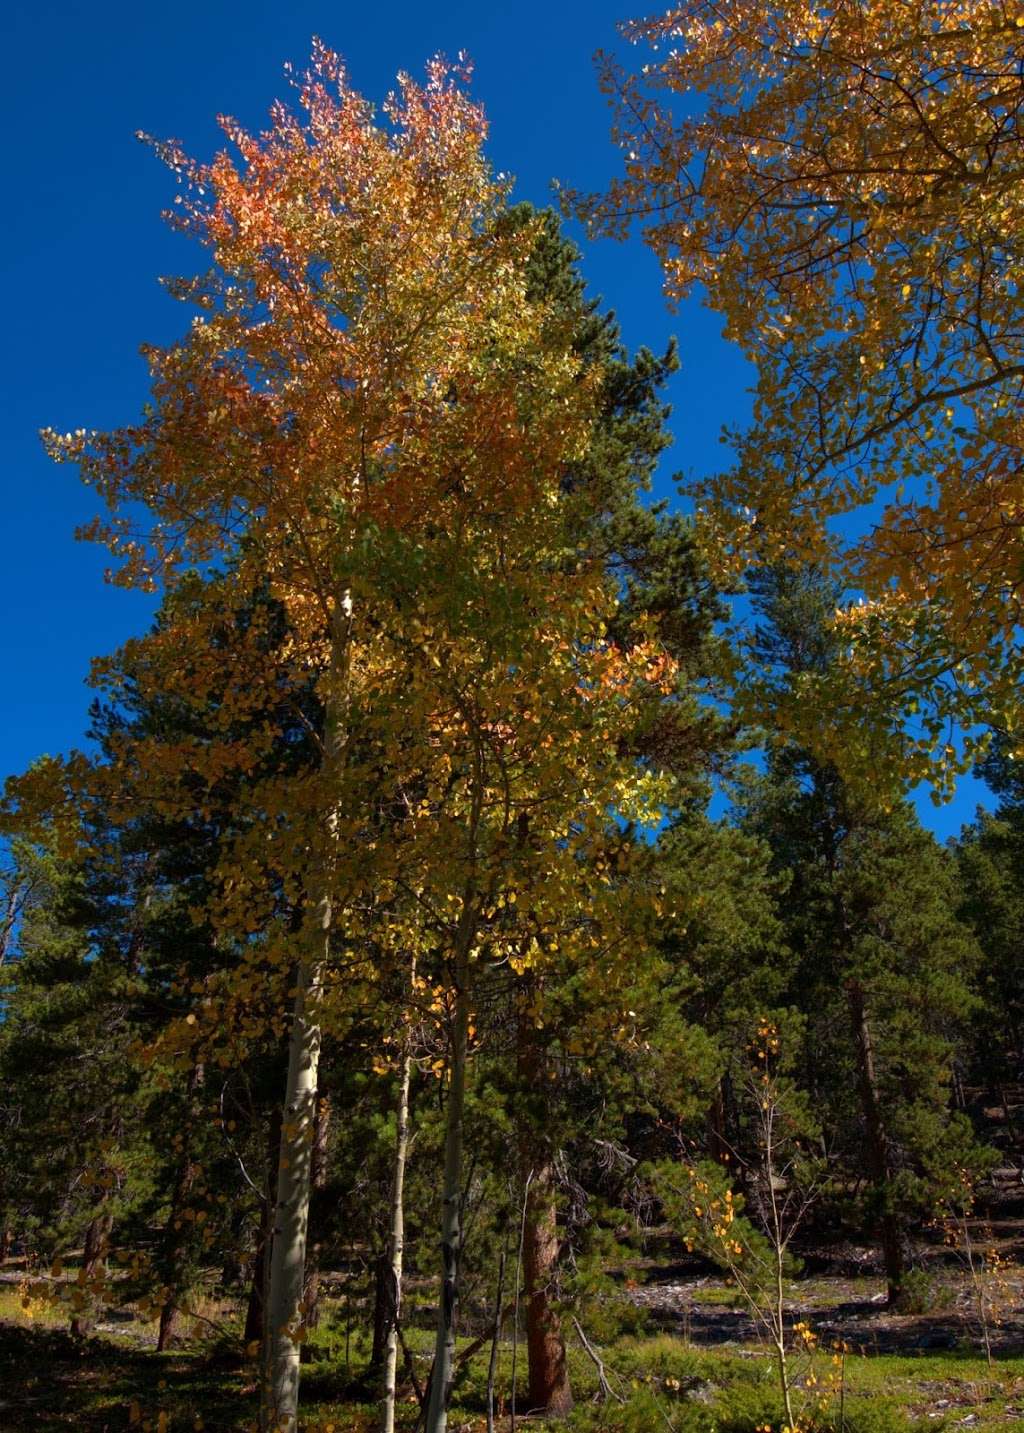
{"points": [[605, 1389]]}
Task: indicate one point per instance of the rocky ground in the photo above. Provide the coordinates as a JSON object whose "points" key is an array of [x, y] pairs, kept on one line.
{"points": [[843, 1296]]}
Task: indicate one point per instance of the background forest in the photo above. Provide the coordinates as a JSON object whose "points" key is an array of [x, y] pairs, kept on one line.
{"points": [[485, 963]]}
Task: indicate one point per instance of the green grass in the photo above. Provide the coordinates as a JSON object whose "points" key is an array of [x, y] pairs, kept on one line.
{"points": [[49, 1383]]}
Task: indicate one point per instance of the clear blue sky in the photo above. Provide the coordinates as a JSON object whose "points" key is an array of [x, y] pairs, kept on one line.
{"points": [[83, 242]]}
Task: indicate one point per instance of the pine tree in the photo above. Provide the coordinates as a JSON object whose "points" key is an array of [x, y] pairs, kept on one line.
{"points": [[990, 854], [882, 965], [73, 1156], [663, 590]]}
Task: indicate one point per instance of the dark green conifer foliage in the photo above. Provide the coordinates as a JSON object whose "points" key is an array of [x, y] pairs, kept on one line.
{"points": [[155, 872], [650, 549], [70, 1147], [882, 966], [583, 1062], [109, 953], [990, 855]]}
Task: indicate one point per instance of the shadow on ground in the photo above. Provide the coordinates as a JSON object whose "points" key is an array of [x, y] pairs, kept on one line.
{"points": [[53, 1383]]}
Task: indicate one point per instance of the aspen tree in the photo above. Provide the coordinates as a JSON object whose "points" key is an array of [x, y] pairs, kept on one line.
{"points": [[370, 420], [356, 282], [846, 184]]}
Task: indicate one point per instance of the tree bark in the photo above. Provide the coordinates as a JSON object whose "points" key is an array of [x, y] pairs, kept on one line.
{"points": [[255, 1324], [451, 1217], [173, 1240], [279, 1392], [876, 1146], [282, 1344], [550, 1391], [380, 1314], [318, 1181], [396, 1251], [94, 1260], [170, 1326]]}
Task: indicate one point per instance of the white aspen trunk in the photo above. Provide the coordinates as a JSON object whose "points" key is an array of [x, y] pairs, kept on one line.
{"points": [[451, 1217], [397, 1243], [282, 1339], [280, 1403]]}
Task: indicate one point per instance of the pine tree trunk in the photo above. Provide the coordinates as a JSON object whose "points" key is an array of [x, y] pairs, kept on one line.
{"points": [[396, 1250], [550, 1392], [170, 1326], [279, 1392], [94, 1259], [173, 1241], [451, 1217], [876, 1147]]}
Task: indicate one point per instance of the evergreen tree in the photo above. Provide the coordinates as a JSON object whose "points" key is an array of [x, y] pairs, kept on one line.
{"points": [[73, 1160], [990, 854], [664, 591], [882, 967]]}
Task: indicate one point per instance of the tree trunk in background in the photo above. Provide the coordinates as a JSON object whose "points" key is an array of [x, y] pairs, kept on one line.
{"points": [[94, 1262], [876, 1147], [254, 1322], [170, 1327], [380, 1313], [318, 1182], [173, 1238]]}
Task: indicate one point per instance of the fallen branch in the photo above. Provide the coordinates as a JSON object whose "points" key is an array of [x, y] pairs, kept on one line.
{"points": [[605, 1388]]}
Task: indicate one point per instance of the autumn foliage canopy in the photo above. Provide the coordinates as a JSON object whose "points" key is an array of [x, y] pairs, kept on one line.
{"points": [[846, 183]]}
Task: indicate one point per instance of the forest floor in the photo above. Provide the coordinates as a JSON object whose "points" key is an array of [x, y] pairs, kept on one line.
{"points": [[845, 1298], [695, 1366]]}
